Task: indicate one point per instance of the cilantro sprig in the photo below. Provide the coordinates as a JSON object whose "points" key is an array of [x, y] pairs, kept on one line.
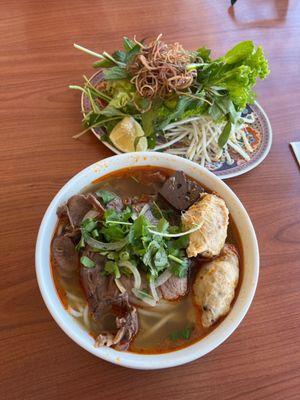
{"points": [[121, 236]]}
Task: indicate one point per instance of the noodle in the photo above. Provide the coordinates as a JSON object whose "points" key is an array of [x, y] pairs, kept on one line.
{"points": [[86, 316], [74, 313], [71, 296], [157, 326]]}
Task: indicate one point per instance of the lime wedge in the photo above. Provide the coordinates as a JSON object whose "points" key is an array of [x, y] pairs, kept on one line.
{"points": [[128, 136]]}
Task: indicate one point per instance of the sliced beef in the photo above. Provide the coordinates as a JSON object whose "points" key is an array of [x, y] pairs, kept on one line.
{"points": [[180, 191], [77, 207], [65, 255], [73, 234], [126, 323], [143, 198], [174, 288], [155, 176], [95, 203], [105, 300], [97, 287], [115, 204], [137, 203], [62, 211]]}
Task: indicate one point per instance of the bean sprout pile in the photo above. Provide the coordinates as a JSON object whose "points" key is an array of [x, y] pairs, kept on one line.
{"points": [[196, 138]]}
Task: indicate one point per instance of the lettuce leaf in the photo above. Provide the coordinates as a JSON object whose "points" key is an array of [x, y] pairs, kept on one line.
{"points": [[235, 74]]}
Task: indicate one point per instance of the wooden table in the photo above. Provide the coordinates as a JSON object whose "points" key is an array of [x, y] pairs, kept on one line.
{"points": [[39, 115]]}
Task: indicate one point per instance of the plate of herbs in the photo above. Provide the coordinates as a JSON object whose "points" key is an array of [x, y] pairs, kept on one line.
{"points": [[162, 97]]}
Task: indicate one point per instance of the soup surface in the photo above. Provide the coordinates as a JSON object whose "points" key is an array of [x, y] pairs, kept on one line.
{"points": [[152, 319]]}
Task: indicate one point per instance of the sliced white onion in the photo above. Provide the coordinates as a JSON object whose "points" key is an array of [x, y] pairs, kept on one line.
{"points": [[74, 313], [163, 278], [145, 297], [105, 246], [120, 286], [153, 290], [90, 214], [144, 209], [134, 270]]}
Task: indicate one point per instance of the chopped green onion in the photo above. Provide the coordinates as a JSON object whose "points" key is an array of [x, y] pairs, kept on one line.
{"points": [[185, 334], [95, 233], [111, 267], [87, 262], [80, 244]]}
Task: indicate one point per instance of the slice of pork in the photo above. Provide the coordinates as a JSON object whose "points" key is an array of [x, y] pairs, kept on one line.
{"points": [[174, 288], [65, 255], [181, 191]]}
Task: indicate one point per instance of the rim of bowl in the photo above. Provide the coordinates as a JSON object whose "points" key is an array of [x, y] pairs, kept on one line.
{"points": [[77, 333]]}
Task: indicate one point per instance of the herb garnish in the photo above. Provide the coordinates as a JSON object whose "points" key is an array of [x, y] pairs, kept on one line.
{"points": [[194, 84], [185, 334], [123, 237]]}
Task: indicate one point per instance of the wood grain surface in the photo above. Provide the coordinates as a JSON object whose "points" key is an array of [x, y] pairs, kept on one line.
{"points": [[39, 115]]}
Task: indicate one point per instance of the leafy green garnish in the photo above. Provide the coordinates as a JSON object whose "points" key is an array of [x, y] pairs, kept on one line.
{"points": [[80, 245], [115, 73], [128, 44], [89, 224], [221, 88], [87, 262], [223, 138], [177, 268], [105, 196], [185, 334], [111, 267]]}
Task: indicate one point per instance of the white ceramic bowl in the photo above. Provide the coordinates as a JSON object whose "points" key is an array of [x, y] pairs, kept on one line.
{"points": [[77, 333]]}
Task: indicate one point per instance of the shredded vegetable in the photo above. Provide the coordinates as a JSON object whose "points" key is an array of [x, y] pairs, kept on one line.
{"points": [[198, 139]]}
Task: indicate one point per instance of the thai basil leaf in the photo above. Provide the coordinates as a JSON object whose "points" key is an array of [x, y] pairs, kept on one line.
{"points": [[223, 138]]}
